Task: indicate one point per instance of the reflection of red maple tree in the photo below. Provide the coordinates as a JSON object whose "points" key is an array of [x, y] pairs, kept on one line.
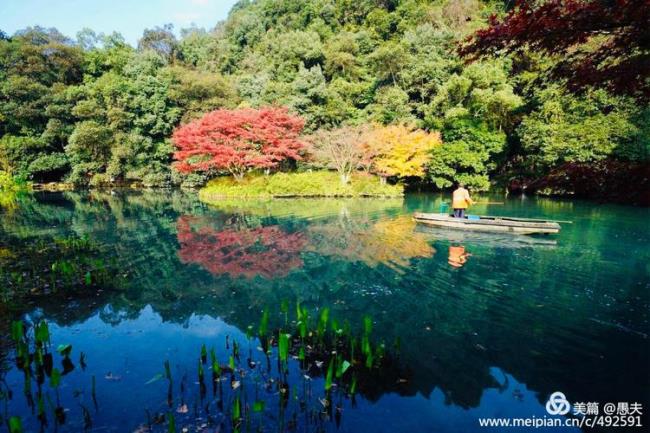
{"points": [[266, 251]]}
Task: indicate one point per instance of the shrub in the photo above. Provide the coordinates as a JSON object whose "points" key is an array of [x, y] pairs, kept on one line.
{"points": [[307, 184]]}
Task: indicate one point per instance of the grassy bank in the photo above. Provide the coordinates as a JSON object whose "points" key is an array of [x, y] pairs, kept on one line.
{"points": [[308, 184]]}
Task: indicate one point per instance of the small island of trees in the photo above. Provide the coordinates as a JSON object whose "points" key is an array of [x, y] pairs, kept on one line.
{"points": [[549, 97]]}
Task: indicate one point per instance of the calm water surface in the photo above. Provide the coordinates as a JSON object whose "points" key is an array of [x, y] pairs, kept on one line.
{"points": [[480, 325]]}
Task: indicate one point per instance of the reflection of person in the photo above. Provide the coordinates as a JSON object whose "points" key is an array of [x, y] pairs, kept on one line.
{"points": [[460, 201], [457, 256]]}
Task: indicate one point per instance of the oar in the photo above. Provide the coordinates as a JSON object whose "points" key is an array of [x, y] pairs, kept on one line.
{"points": [[539, 220]]}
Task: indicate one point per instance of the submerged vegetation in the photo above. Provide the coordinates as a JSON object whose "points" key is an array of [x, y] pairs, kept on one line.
{"points": [[34, 356], [96, 111], [288, 374], [189, 263], [38, 267]]}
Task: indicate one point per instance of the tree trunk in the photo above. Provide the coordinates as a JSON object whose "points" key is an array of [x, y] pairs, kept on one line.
{"points": [[345, 178], [382, 180]]}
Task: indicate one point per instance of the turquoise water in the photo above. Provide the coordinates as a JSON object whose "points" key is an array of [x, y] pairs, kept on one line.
{"points": [[476, 325]]}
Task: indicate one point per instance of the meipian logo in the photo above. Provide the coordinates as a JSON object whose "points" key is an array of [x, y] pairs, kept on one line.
{"points": [[557, 404]]}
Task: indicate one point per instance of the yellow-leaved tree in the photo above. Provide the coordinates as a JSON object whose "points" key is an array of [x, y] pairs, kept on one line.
{"points": [[399, 150]]}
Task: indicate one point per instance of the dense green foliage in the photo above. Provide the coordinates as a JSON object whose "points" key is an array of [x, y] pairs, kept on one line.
{"points": [[98, 111], [11, 188], [305, 184]]}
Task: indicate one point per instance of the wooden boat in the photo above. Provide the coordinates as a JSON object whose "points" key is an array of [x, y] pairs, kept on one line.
{"points": [[498, 224]]}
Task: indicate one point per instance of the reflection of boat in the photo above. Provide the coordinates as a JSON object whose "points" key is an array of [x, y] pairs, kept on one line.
{"points": [[523, 226], [503, 240]]}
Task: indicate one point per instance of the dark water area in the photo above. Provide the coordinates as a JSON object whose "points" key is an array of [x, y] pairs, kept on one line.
{"points": [[472, 325]]}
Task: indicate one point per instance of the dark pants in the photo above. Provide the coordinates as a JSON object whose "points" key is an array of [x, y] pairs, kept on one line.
{"points": [[459, 213]]}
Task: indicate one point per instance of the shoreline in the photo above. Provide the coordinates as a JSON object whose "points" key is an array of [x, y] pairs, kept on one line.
{"points": [[68, 187]]}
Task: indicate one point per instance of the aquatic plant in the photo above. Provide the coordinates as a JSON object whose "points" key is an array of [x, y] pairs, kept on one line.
{"points": [[295, 355], [34, 357], [61, 264]]}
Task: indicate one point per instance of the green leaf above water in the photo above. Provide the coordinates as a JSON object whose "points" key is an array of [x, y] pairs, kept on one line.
{"points": [[17, 330], [264, 323], [283, 346], [258, 406], [342, 368], [15, 425], [171, 428], [64, 349], [42, 332], [55, 378], [236, 410], [330, 375]]}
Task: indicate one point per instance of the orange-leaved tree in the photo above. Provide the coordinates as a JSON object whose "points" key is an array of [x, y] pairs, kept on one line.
{"points": [[238, 140], [400, 150]]}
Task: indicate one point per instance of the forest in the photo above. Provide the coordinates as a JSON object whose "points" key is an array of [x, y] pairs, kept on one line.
{"points": [[421, 92]]}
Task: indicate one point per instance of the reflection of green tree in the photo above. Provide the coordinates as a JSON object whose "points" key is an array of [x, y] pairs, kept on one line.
{"points": [[309, 207], [516, 309]]}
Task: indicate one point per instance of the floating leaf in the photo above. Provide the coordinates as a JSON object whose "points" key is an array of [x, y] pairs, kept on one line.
{"points": [[343, 367], [156, 378], [64, 349], [87, 278]]}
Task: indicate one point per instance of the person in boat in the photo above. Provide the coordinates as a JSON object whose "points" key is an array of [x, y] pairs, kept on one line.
{"points": [[460, 201]]}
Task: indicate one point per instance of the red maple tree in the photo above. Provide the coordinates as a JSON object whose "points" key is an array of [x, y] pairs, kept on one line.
{"points": [[267, 251], [603, 43], [238, 140]]}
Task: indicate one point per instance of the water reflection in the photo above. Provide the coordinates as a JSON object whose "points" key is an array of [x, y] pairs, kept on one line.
{"points": [[239, 251], [457, 256], [555, 314]]}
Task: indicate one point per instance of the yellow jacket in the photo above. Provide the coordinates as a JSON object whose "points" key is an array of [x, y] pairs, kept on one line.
{"points": [[461, 199]]}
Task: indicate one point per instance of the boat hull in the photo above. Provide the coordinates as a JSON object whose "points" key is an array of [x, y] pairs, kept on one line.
{"points": [[488, 224]]}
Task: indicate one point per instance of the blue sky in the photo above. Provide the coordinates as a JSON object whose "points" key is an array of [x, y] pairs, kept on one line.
{"points": [[129, 17]]}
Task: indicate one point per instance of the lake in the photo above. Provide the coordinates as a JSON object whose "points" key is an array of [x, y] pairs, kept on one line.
{"points": [[321, 314]]}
